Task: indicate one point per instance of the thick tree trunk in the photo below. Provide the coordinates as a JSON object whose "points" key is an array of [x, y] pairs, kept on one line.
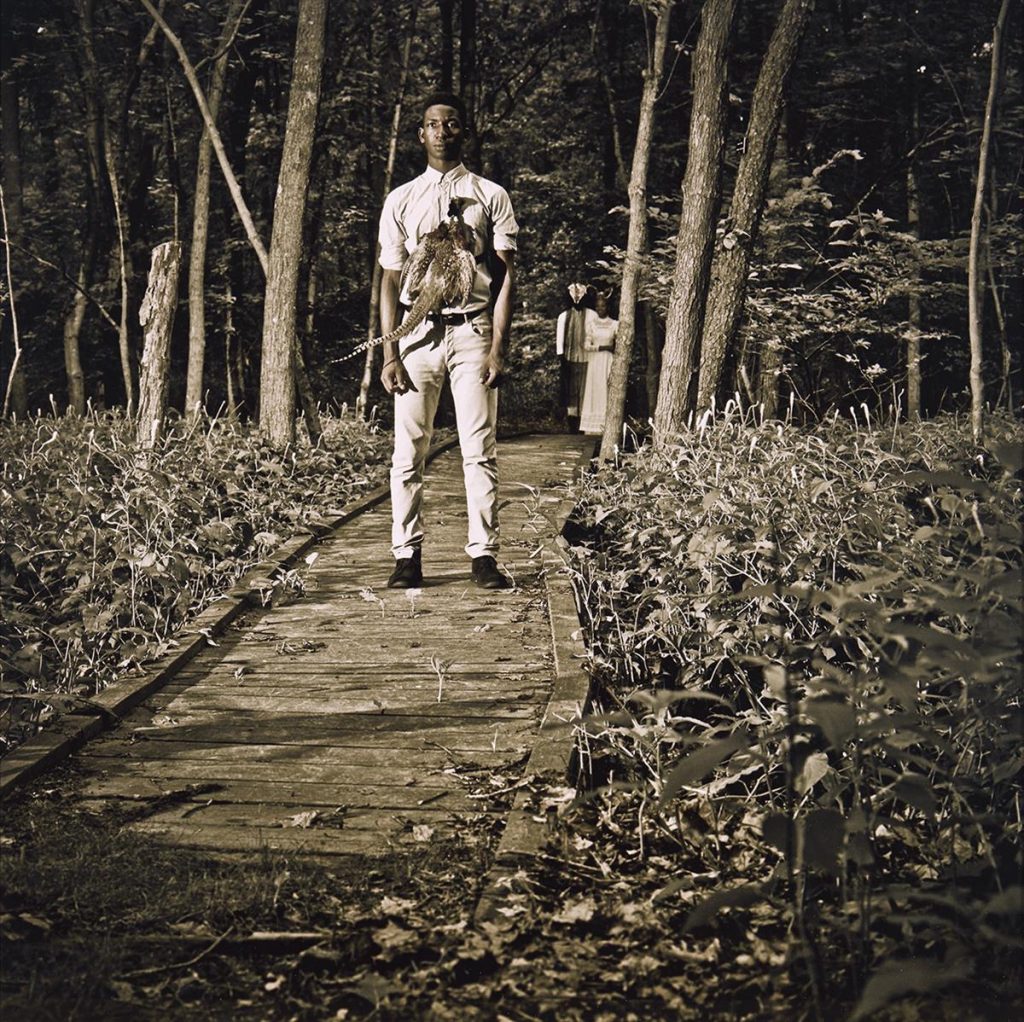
{"points": [[636, 241], [156, 314], [373, 317], [732, 260], [701, 184], [280, 351], [975, 285], [201, 223]]}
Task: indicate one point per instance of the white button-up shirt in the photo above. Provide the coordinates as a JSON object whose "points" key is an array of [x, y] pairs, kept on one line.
{"points": [[417, 207]]}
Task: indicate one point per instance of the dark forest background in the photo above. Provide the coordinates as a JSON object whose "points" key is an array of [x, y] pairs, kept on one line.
{"points": [[863, 243]]}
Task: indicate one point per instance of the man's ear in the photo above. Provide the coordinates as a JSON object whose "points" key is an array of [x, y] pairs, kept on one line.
{"points": [[420, 135]]}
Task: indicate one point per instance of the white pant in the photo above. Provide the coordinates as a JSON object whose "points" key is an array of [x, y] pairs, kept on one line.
{"points": [[428, 353]]}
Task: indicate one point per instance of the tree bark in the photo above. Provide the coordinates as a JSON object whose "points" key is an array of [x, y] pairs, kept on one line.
{"points": [[913, 301], [731, 263], [280, 351], [701, 184], [373, 317], [636, 240], [156, 314], [468, 82], [16, 394], [103, 152], [975, 285], [601, 60], [201, 223], [446, 8], [72, 335]]}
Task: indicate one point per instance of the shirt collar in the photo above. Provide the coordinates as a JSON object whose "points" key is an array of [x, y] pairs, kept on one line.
{"points": [[435, 177]]}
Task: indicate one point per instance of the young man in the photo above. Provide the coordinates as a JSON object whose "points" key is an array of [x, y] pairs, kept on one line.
{"points": [[466, 342]]}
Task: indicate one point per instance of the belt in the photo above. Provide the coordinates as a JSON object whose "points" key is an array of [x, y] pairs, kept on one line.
{"points": [[453, 318]]}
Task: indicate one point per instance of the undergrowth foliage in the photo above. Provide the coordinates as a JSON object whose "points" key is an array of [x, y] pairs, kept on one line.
{"points": [[105, 552], [808, 648]]}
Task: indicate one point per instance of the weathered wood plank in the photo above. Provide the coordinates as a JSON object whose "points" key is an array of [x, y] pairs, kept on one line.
{"points": [[265, 753], [135, 791], [190, 770]]}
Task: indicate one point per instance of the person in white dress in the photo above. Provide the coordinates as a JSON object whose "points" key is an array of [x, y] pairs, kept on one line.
{"points": [[600, 345]]}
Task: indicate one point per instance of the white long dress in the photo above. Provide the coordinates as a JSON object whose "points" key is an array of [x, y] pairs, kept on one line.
{"points": [[600, 335]]}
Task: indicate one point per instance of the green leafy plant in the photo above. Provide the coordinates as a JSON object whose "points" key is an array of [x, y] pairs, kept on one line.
{"points": [[808, 645]]}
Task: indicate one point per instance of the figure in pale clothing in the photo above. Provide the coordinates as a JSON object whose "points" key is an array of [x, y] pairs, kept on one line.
{"points": [[599, 342]]}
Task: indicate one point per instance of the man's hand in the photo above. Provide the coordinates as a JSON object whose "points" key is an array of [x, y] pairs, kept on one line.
{"points": [[395, 378], [492, 368]]}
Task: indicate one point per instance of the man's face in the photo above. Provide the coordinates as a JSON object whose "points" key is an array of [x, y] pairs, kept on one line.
{"points": [[442, 133]]}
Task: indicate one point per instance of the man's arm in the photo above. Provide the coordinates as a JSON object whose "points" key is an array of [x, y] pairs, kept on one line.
{"points": [[393, 375], [494, 364]]}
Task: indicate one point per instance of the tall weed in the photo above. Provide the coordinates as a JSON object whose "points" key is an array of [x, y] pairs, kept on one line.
{"points": [[808, 645], [104, 552]]}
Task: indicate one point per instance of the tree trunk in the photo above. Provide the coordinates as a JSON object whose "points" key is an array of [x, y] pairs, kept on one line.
{"points": [[636, 241], [468, 83], [975, 285], [156, 314], [201, 223], [373, 316], [280, 351], [102, 151], [72, 336], [652, 339], [446, 8], [732, 261], [16, 395], [601, 61], [696, 237], [913, 301]]}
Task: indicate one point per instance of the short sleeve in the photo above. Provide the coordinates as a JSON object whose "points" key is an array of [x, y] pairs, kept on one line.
{"points": [[391, 235], [503, 222]]}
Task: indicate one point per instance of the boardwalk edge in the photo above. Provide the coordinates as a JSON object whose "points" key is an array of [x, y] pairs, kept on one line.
{"points": [[58, 741], [553, 757]]}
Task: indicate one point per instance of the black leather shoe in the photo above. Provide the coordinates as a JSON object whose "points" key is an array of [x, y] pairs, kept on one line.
{"points": [[486, 574], [408, 573]]}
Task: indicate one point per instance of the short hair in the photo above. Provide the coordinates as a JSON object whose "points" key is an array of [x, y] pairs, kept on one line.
{"points": [[444, 99]]}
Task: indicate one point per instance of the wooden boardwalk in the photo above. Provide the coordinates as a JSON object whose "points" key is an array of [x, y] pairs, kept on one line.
{"points": [[353, 718]]}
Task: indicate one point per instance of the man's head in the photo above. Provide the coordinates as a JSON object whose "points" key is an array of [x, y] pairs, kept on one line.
{"points": [[443, 129]]}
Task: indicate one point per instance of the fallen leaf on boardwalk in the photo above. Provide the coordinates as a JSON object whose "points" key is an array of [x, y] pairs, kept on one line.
{"points": [[303, 820], [581, 911], [422, 832]]}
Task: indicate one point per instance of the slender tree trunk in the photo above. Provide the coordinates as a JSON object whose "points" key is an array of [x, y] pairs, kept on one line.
{"points": [[280, 351], [652, 339], [701, 184], [72, 335], [446, 8], [468, 81], [103, 150], [601, 61], [636, 240], [156, 314], [201, 223], [975, 285], [732, 260], [16, 393], [914, 301], [373, 317]]}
